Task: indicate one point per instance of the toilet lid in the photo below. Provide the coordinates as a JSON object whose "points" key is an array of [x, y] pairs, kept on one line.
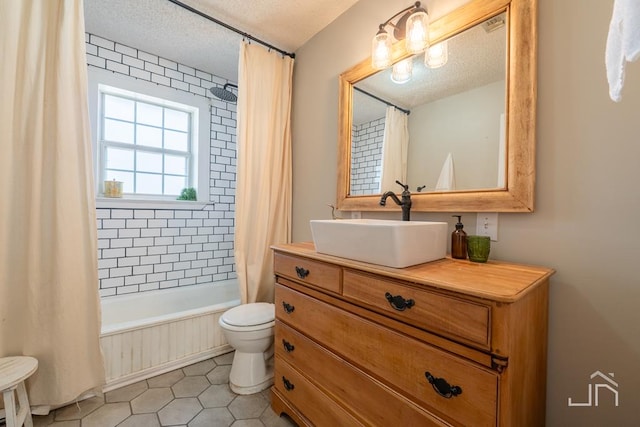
{"points": [[250, 314]]}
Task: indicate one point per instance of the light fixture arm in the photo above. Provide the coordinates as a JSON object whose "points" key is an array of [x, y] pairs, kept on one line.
{"points": [[403, 11]]}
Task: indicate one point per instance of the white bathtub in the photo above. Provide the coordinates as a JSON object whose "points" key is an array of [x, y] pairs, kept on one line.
{"points": [[149, 333]]}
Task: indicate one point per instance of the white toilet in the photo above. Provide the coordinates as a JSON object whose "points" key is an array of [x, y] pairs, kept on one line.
{"points": [[249, 329]]}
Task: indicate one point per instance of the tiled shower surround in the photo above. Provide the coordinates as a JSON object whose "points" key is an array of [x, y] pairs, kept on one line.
{"points": [[142, 249], [366, 158], [147, 249]]}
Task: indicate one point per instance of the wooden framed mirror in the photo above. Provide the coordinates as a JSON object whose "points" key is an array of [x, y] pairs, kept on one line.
{"points": [[515, 159]]}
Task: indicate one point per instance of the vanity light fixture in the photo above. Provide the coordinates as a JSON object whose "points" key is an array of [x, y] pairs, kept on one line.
{"points": [[437, 55], [402, 71], [412, 26]]}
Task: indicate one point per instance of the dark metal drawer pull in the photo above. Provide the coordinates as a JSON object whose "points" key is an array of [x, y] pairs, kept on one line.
{"points": [[302, 272], [288, 346], [287, 384], [288, 307], [398, 302], [442, 387]]}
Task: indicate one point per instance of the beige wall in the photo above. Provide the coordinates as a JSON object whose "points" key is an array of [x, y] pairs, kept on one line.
{"points": [[467, 125], [587, 194]]}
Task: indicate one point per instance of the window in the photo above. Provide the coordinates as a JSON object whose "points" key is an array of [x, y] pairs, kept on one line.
{"points": [[125, 115], [146, 142]]}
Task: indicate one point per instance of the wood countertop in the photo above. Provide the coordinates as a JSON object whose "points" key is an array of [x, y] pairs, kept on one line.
{"points": [[494, 280]]}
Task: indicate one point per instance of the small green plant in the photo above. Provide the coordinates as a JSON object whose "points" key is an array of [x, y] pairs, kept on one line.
{"points": [[188, 194]]}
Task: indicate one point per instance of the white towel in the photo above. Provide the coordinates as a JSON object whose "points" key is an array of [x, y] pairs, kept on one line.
{"points": [[623, 43], [447, 180]]}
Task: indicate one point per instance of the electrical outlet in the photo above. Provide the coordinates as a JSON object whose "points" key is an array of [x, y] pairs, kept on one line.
{"points": [[487, 225], [356, 214]]}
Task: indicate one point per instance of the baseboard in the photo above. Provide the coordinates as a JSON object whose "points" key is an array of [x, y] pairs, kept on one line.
{"points": [[164, 368]]}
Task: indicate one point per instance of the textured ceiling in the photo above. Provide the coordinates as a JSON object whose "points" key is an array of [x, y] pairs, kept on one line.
{"points": [[165, 29]]}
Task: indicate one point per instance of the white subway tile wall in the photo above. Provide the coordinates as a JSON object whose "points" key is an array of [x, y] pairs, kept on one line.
{"points": [[366, 157], [148, 249]]}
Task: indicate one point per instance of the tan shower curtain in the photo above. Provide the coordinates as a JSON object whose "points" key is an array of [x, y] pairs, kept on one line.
{"points": [[263, 192], [49, 306], [395, 146]]}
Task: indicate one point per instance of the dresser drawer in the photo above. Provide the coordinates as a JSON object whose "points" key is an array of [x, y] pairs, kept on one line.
{"points": [[378, 406], [402, 363], [316, 273], [320, 410], [442, 314]]}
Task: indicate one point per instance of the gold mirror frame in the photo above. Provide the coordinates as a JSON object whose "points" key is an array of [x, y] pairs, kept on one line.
{"points": [[518, 195]]}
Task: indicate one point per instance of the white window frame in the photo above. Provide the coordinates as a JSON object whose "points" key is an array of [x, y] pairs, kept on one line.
{"points": [[103, 81], [104, 144]]}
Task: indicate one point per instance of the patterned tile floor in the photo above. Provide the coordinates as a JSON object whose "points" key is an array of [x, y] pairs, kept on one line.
{"points": [[194, 396]]}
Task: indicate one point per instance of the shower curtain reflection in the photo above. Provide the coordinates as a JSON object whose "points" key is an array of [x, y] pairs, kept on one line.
{"points": [[394, 149]]}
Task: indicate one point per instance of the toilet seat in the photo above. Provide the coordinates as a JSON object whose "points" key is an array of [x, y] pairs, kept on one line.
{"points": [[250, 316]]}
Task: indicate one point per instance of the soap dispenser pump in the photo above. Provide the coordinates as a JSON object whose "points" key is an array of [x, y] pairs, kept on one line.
{"points": [[459, 240]]}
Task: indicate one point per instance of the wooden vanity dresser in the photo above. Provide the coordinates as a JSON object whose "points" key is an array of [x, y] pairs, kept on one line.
{"points": [[448, 342]]}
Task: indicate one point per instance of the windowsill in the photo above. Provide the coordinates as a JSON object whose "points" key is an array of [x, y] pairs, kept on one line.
{"points": [[127, 203]]}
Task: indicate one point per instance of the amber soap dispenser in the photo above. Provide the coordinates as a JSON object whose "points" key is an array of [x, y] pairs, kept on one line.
{"points": [[459, 240]]}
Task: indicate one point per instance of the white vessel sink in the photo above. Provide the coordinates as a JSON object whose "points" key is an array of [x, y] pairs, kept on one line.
{"points": [[390, 243]]}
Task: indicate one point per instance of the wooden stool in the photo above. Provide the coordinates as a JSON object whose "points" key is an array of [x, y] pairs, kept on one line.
{"points": [[13, 373]]}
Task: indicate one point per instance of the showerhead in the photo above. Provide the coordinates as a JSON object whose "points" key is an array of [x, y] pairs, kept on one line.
{"points": [[223, 94]]}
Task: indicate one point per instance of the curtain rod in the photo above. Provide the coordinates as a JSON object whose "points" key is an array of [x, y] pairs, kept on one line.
{"points": [[229, 27], [407, 112]]}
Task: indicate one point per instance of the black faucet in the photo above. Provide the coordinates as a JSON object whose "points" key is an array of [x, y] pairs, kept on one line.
{"points": [[405, 203]]}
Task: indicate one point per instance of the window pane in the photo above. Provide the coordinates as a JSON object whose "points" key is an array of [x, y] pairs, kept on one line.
{"points": [[148, 136], [125, 177], [148, 162], [146, 144], [175, 165], [175, 140], [173, 185], [149, 114], [148, 184], [119, 159], [118, 131], [118, 108], [178, 120]]}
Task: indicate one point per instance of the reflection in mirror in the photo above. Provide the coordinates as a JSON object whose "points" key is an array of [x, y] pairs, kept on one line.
{"points": [[455, 118], [514, 192]]}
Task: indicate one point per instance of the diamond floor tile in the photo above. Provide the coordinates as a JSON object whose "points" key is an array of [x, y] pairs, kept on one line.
{"points": [[179, 411], [151, 400], [190, 386], [107, 415]]}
